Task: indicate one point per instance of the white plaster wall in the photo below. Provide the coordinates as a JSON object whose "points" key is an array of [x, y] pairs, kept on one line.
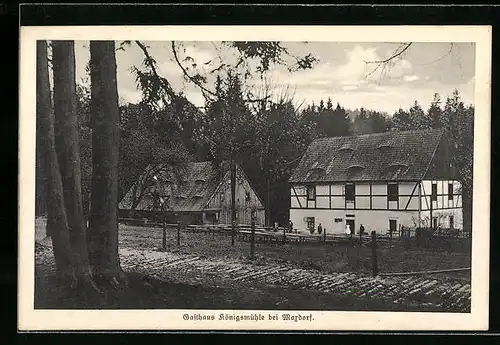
{"points": [[379, 202], [337, 189], [362, 189], [323, 201], [371, 220], [443, 217], [338, 202], [322, 190], [405, 188], [362, 202], [379, 189]]}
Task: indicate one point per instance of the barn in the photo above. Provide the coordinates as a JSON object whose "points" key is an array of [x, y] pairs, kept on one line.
{"points": [[197, 193], [383, 181]]}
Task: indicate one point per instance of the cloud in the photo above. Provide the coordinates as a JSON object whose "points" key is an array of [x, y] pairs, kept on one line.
{"points": [[349, 87], [129, 96], [410, 78], [341, 74], [200, 56]]}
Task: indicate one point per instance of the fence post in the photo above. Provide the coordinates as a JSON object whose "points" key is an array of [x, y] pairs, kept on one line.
{"points": [[324, 235], [360, 238], [252, 240], [164, 239], [374, 253], [284, 235], [178, 234]]}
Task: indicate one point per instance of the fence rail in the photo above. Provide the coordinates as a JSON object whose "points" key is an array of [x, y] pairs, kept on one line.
{"points": [[269, 235], [420, 237]]}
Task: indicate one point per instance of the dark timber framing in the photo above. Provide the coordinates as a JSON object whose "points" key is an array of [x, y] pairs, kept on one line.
{"points": [[296, 196], [330, 195], [418, 184], [411, 196]]}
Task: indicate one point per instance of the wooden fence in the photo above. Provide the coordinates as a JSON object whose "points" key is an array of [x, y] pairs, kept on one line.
{"points": [[422, 238]]}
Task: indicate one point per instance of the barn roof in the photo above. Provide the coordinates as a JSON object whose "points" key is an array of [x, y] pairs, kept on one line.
{"points": [[189, 192], [395, 155]]}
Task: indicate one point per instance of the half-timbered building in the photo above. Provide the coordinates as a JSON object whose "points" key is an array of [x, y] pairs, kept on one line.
{"points": [[200, 193], [382, 181]]}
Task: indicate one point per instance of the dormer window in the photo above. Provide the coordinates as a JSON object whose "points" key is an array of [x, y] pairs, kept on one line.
{"points": [[398, 165], [395, 169], [384, 146], [315, 173], [354, 169], [346, 147]]}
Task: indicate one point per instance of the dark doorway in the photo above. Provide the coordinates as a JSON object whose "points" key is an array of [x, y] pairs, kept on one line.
{"points": [[392, 226], [310, 224], [351, 224], [210, 218], [452, 222]]}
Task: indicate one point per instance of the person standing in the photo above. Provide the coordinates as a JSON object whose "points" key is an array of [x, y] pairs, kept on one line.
{"points": [[290, 226], [347, 229], [320, 229], [361, 229]]}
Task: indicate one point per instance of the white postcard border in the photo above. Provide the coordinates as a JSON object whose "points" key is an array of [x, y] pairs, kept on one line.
{"points": [[31, 319]]}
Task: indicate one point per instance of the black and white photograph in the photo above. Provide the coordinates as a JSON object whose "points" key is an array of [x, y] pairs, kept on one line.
{"points": [[253, 178]]}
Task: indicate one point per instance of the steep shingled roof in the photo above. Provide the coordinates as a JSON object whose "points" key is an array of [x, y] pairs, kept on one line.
{"points": [[198, 184], [396, 155]]}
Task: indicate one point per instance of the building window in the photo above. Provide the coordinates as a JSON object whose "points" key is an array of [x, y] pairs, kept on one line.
{"points": [[434, 193], [349, 192], [247, 196], [450, 191], [311, 193], [393, 192], [310, 223]]}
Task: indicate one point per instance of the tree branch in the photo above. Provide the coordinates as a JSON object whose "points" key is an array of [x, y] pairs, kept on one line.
{"points": [[442, 57], [191, 78], [383, 63], [148, 57], [393, 56]]}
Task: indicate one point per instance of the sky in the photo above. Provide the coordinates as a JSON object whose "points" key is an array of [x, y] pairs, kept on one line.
{"points": [[341, 72]]}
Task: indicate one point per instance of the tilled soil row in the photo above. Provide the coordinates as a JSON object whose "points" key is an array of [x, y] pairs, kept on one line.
{"points": [[446, 295]]}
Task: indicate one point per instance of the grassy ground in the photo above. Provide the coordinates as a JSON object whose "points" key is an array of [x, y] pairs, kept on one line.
{"points": [[326, 258], [145, 292]]}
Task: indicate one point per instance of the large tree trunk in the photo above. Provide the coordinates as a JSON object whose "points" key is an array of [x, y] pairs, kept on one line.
{"points": [[68, 152], [41, 190], [105, 152], [57, 224]]}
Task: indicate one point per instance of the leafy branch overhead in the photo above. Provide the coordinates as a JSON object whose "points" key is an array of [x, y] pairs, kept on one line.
{"points": [[253, 59]]}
